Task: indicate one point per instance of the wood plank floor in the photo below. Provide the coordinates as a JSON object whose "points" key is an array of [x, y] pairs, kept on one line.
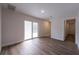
{"points": [[41, 46]]}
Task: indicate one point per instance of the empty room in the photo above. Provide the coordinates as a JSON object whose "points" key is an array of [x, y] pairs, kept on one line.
{"points": [[39, 28]]}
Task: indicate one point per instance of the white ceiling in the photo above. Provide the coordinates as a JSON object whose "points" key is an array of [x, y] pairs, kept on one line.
{"points": [[51, 9]]}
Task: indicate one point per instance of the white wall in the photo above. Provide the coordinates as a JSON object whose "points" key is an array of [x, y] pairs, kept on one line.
{"points": [[57, 29], [77, 30], [13, 26], [0, 28]]}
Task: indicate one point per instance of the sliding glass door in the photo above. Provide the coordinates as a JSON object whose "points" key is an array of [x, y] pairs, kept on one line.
{"points": [[35, 29], [30, 30], [27, 30]]}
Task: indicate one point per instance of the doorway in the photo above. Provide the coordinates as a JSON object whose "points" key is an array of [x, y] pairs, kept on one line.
{"points": [[30, 30], [70, 30]]}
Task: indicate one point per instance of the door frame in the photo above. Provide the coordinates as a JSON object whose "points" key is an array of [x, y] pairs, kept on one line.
{"points": [[65, 28]]}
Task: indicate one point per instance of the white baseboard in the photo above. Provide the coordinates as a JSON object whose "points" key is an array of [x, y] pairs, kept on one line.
{"points": [[57, 39], [11, 43], [14, 42]]}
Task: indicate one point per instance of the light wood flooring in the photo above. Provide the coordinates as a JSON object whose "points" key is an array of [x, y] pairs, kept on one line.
{"points": [[41, 46]]}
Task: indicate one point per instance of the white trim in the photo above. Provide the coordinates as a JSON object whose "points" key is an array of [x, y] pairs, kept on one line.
{"points": [[11, 43]]}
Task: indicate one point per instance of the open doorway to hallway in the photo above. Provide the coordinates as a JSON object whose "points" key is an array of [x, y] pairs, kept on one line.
{"points": [[70, 30], [30, 30]]}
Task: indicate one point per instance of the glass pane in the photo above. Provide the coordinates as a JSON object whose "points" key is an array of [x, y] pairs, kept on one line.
{"points": [[35, 29], [28, 30]]}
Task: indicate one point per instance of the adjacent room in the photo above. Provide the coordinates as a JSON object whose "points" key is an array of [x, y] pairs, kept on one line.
{"points": [[39, 29]]}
